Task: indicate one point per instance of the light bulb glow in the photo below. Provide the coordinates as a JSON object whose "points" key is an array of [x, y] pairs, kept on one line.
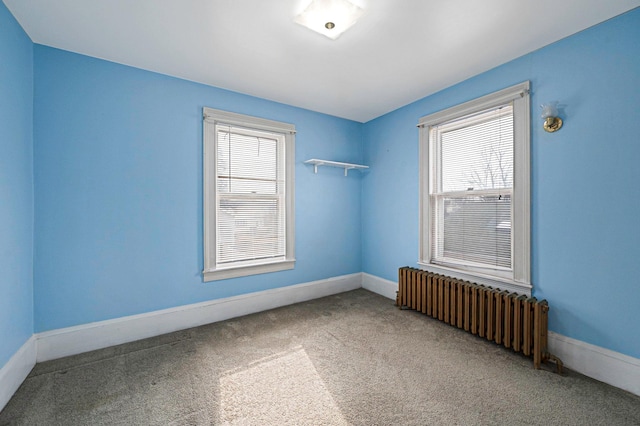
{"points": [[550, 109]]}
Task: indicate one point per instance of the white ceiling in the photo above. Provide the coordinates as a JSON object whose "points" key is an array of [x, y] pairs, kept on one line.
{"points": [[398, 52]]}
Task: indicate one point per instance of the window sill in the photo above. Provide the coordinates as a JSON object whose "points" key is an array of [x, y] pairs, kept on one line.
{"points": [[487, 280], [243, 271]]}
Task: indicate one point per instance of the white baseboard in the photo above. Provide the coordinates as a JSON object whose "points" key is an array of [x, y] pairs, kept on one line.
{"points": [[87, 337], [379, 285], [602, 364], [13, 373]]}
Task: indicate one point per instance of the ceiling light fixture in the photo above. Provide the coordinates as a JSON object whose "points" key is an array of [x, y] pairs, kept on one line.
{"points": [[329, 17]]}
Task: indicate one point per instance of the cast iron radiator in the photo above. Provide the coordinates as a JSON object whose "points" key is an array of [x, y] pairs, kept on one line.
{"points": [[508, 319]]}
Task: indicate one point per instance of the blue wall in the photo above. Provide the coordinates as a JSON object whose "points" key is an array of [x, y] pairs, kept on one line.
{"points": [[585, 191], [16, 186], [118, 187]]}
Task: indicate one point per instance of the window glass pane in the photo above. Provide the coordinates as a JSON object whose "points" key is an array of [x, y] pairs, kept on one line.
{"points": [[247, 164], [250, 229], [473, 229], [477, 152]]}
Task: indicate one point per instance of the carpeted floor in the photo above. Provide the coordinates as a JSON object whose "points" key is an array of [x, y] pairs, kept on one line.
{"points": [[351, 358]]}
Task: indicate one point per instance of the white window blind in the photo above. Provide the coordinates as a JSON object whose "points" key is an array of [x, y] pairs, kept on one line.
{"points": [[250, 182], [471, 211]]}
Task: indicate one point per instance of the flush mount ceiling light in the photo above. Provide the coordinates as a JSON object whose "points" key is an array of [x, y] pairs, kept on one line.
{"points": [[329, 17]]}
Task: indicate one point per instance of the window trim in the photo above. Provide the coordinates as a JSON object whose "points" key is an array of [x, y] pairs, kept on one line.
{"points": [[211, 118], [520, 281]]}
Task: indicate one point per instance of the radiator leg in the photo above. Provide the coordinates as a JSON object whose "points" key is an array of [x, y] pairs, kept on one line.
{"points": [[558, 362]]}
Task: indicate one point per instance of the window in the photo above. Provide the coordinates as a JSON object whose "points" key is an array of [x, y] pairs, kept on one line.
{"points": [[474, 190], [248, 195]]}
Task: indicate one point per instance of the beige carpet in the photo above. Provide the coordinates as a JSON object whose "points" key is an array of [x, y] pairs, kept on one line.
{"points": [[352, 358], [283, 389]]}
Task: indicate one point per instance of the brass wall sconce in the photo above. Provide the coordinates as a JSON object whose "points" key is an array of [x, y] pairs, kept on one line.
{"points": [[552, 123]]}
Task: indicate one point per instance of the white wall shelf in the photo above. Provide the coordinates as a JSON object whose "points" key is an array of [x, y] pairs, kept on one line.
{"points": [[345, 166]]}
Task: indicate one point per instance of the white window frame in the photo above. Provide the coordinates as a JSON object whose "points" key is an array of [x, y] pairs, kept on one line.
{"points": [[519, 279], [211, 118]]}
